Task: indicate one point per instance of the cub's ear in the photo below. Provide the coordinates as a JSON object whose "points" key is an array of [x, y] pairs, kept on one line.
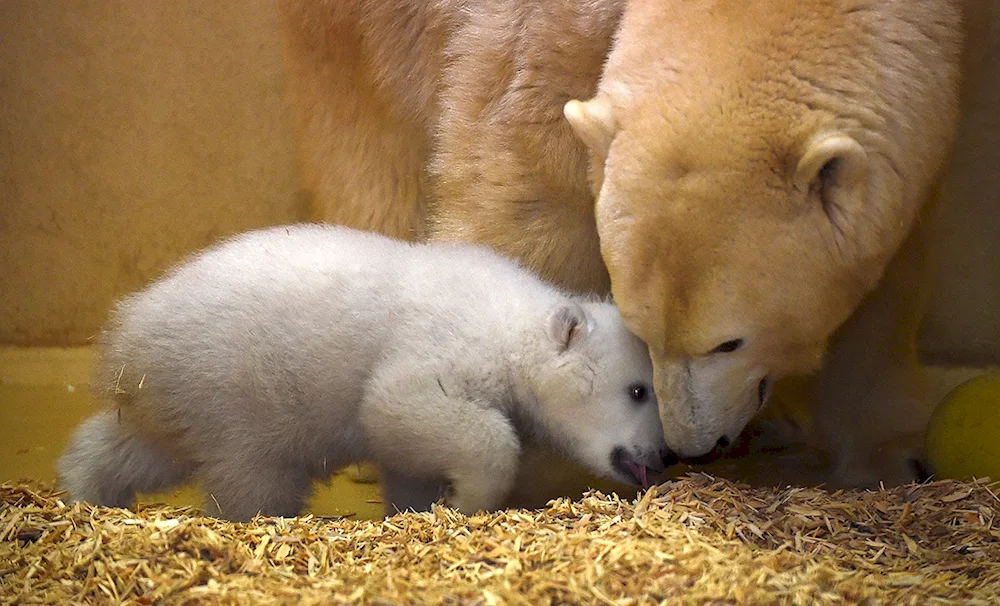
{"points": [[593, 122], [834, 167], [567, 325]]}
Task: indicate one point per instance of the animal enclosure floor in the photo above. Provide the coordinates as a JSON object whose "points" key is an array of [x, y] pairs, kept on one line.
{"points": [[697, 540]]}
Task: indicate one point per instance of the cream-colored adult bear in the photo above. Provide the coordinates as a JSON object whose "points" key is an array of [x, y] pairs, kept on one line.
{"points": [[747, 187]]}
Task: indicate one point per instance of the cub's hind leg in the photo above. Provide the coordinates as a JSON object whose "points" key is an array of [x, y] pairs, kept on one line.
{"points": [[107, 464]]}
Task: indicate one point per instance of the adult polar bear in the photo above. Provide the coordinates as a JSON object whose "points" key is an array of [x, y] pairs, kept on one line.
{"points": [[747, 187]]}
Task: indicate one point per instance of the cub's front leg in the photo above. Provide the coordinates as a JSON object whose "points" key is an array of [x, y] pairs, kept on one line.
{"points": [[404, 493], [418, 431]]}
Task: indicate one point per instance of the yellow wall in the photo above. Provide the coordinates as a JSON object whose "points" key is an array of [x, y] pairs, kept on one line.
{"points": [[130, 134], [134, 132]]}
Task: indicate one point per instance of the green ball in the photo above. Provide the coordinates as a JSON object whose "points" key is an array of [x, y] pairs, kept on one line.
{"points": [[963, 436]]}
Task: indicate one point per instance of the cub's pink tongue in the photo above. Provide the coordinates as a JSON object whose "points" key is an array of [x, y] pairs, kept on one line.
{"points": [[642, 476], [640, 472]]}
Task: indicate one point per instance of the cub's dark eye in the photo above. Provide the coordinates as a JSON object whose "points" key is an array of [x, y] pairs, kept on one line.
{"points": [[638, 392]]}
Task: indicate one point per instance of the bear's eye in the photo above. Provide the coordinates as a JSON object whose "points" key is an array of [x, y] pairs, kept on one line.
{"points": [[728, 346], [638, 392]]}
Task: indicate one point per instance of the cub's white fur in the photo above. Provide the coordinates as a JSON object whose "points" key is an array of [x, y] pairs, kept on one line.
{"points": [[284, 354]]}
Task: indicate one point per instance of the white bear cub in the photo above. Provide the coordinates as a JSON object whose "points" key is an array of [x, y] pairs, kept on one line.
{"points": [[284, 354]]}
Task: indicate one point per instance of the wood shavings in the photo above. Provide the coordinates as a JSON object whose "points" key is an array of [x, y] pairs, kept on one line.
{"points": [[697, 540]]}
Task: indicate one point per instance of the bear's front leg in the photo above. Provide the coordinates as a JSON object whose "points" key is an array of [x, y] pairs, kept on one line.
{"points": [[416, 428], [872, 400]]}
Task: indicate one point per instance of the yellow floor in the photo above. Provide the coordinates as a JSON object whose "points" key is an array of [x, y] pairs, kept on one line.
{"points": [[44, 395]]}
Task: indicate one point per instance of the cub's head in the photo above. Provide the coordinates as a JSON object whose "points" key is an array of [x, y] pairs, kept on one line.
{"points": [[756, 165], [595, 393]]}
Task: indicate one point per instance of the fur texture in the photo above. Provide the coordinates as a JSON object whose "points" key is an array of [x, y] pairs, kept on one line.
{"points": [[286, 354], [744, 177]]}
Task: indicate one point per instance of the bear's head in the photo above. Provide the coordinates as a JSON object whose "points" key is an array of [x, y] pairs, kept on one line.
{"points": [[594, 393], [756, 165]]}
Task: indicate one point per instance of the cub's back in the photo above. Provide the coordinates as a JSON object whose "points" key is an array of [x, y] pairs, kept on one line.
{"points": [[302, 313], [233, 317]]}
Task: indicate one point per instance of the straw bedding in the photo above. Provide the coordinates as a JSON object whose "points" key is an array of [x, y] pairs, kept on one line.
{"points": [[696, 540]]}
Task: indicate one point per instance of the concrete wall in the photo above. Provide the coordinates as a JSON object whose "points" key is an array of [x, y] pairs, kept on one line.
{"points": [[963, 323], [134, 132], [130, 134]]}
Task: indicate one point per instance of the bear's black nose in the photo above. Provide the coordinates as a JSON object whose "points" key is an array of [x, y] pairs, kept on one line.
{"points": [[669, 457]]}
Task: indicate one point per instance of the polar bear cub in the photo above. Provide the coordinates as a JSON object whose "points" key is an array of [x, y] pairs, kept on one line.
{"points": [[284, 354]]}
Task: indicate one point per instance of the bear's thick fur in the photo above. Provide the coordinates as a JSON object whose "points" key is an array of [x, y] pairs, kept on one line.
{"points": [[745, 178]]}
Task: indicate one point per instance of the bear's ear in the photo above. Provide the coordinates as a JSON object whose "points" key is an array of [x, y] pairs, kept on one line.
{"points": [[593, 122], [567, 324], [834, 168]]}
